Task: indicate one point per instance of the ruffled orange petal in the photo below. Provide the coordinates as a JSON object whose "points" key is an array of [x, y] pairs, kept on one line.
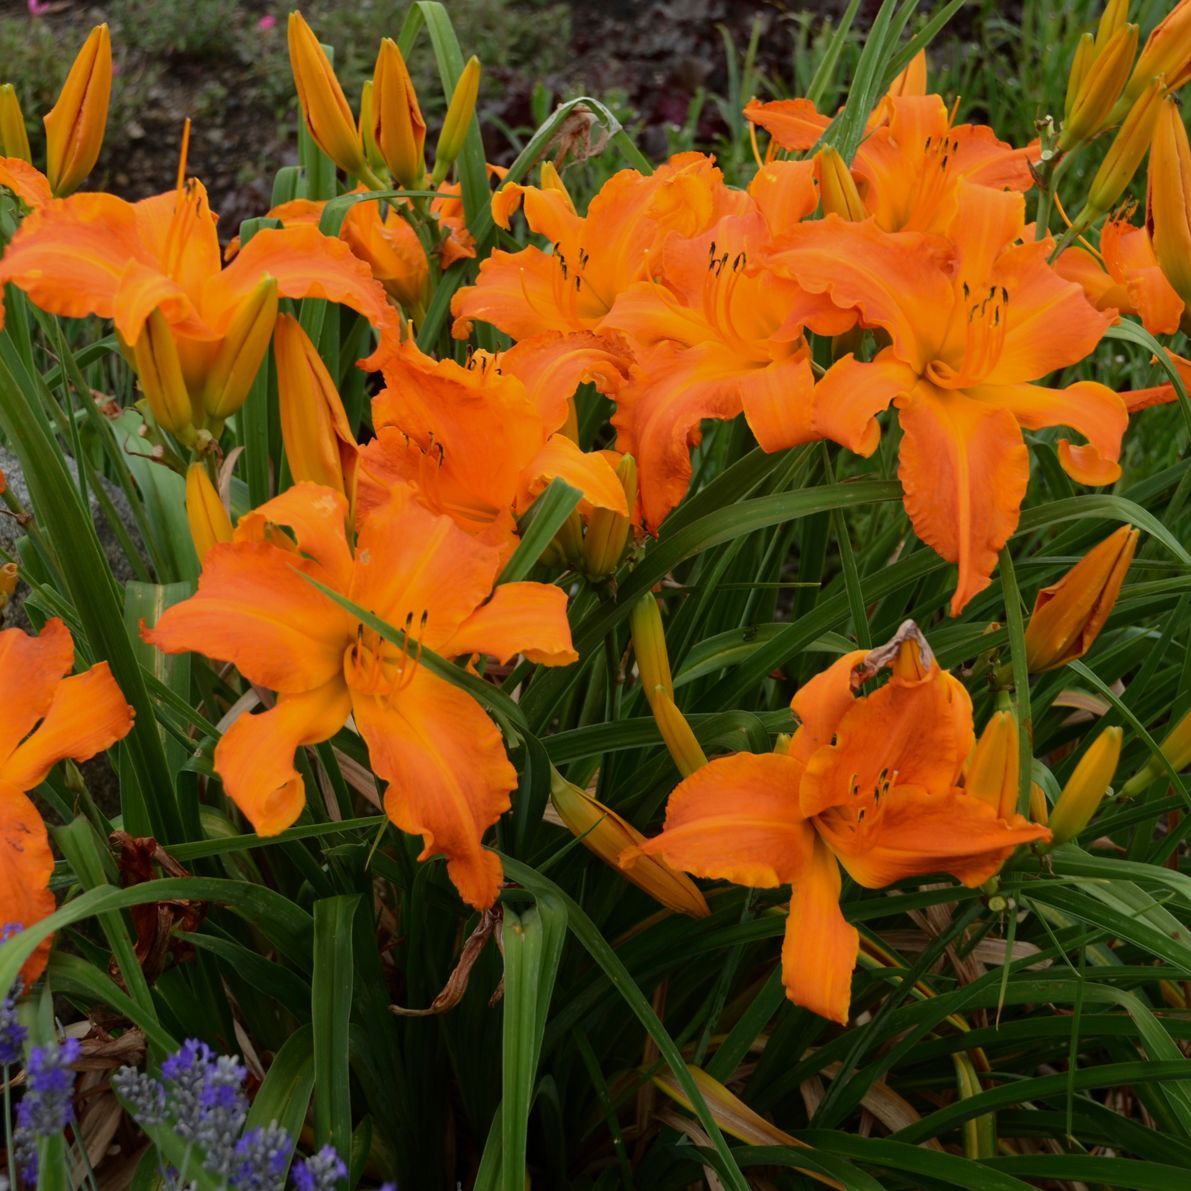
{"points": [[30, 670], [1129, 255], [820, 947], [659, 416], [785, 193], [1092, 409], [520, 293], [69, 255], [416, 568], [778, 402], [449, 776], [850, 395], [392, 249], [317, 516], [253, 608], [26, 181], [525, 618], [1099, 286], [737, 819], [588, 471], [909, 732], [305, 264], [178, 230], [821, 704], [552, 366], [87, 715], [143, 289], [964, 469], [897, 281], [921, 833], [1049, 321], [793, 123], [255, 757], [26, 864]]}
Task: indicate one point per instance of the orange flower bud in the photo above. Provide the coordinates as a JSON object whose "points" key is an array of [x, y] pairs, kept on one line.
{"points": [[1069, 615], [324, 106], [1039, 809], [319, 444], [74, 126], [14, 136], [1168, 202], [9, 574], [1167, 52], [458, 120], [837, 188], [602, 831], [1088, 111], [1086, 787], [238, 358], [608, 531], [649, 644], [1112, 19], [398, 127], [991, 770], [1081, 63], [160, 370], [684, 748], [1124, 154], [209, 522]]}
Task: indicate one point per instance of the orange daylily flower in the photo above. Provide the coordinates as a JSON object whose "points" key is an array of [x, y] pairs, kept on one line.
{"points": [[44, 718], [449, 777], [715, 337], [98, 254], [869, 782], [1126, 278], [910, 167], [596, 256], [480, 442], [972, 325]]}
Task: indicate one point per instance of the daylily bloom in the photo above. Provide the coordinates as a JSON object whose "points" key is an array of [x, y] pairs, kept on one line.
{"points": [[595, 256], [1125, 276], [73, 128], [480, 442], [1168, 202], [969, 333], [97, 254], [869, 782], [45, 717], [910, 167], [1068, 615], [716, 335], [449, 777]]}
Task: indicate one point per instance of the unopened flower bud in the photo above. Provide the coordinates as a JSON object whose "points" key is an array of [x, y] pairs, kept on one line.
{"points": [[367, 128], [1167, 52], [838, 194], [398, 127], [991, 772], [680, 738], [649, 644], [1069, 615], [607, 530], [319, 444], [1086, 787], [324, 106], [1168, 203], [240, 353], [74, 126], [1093, 101], [208, 519], [602, 831], [1124, 155], [160, 370], [9, 574], [14, 136], [458, 120]]}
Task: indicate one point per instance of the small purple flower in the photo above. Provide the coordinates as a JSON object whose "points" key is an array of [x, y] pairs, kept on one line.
{"points": [[45, 1108], [144, 1095], [261, 1159], [320, 1172], [12, 1033]]}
